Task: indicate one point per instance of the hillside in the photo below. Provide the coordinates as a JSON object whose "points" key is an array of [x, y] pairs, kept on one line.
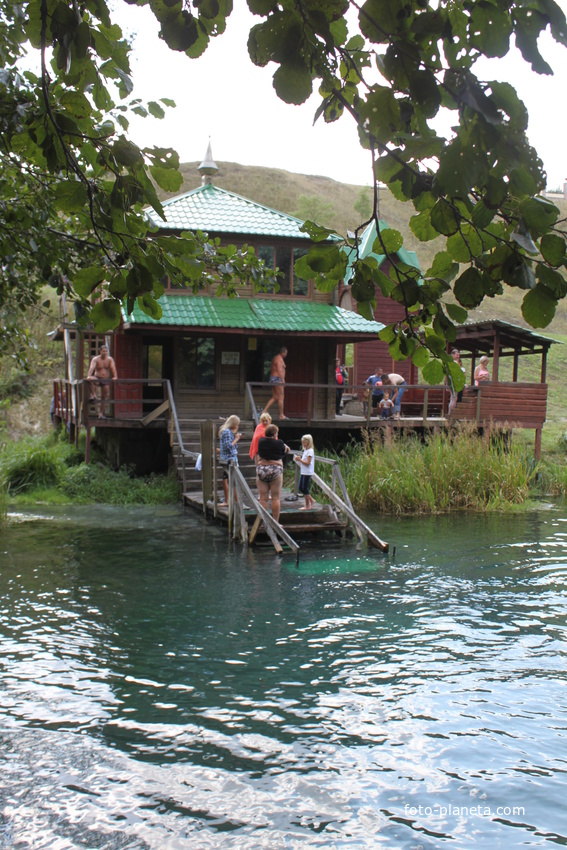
{"points": [[282, 190]]}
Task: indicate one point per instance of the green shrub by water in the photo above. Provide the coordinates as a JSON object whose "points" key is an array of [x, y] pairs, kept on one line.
{"points": [[52, 470], [448, 472]]}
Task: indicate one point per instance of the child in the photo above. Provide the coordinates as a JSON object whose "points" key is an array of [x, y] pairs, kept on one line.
{"points": [[229, 435], [307, 466], [386, 406]]}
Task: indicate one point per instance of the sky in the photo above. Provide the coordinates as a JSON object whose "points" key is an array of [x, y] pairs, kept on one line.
{"points": [[224, 98]]}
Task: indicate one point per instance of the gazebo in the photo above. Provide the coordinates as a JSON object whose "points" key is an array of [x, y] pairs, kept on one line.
{"points": [[504, 400]]}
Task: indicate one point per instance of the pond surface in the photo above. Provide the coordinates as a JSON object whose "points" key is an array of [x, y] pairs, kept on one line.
{"points": [[163, 688]]}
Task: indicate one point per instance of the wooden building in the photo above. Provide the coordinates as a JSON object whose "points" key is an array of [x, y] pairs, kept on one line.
{"points": [[214, 352], [208, 356]]}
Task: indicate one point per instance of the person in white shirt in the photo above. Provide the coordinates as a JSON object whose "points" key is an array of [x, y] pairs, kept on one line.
{"points": [[307, 465]]}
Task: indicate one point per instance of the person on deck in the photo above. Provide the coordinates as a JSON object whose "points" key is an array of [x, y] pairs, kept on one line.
{"points": [[229, 436], [263, 422], [269, 469], [101, 370], [481, 372], [375, 381], [456, 397], [341, 376], [277, 380], [386, 406], [306, 462], [399, 384]]}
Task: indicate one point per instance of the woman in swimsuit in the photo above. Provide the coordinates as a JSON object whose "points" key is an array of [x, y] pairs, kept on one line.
{"points": [[269, 469]]}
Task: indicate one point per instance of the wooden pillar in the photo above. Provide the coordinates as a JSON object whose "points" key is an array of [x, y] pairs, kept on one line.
{"points": [[544, 366], [208, 463], [496, 355], [515, 368], [537, 445]]}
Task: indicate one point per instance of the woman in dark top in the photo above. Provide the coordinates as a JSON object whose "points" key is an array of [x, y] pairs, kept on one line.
{"points": [[269, 471]]}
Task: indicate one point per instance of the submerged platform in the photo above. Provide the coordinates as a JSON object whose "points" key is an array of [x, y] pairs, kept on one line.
{"points": [[320, 518]]}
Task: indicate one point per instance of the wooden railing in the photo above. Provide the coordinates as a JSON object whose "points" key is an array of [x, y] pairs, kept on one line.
{"points": [[420, 401], [71, 400]]}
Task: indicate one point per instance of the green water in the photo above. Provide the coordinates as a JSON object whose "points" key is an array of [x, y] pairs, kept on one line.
{"points": [[163, 688]]}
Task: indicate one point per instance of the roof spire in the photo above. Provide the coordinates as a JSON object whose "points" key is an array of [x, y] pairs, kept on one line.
{"points": [[208, 167]]}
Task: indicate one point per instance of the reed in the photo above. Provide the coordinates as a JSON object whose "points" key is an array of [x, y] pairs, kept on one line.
{"points": [[447, 472]]}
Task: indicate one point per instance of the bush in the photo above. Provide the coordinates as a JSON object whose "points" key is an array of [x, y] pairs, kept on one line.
{"points": [[29, 465]]}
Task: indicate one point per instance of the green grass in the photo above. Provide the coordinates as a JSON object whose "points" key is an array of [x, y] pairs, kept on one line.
{"points": [[52, 471]]}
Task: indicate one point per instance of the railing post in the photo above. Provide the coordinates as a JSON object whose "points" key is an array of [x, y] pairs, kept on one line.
{"points": [[478, 405], [426, 403]]}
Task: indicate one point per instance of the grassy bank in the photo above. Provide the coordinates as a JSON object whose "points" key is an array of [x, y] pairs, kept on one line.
{"points": [[447, 473], [50, 470]]}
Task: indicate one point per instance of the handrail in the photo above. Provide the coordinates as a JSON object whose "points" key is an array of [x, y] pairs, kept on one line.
{"points": [[331, 388]]}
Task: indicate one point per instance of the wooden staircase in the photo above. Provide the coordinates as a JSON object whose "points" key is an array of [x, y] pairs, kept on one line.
{"points": [[190, 430]]}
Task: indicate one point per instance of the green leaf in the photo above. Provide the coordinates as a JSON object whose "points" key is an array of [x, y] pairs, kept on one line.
{"points": [[444, 218], [71, 196], [421, 226], [126, 153], [317, 232], [167, 179], [552, 249], [392, 241], [150, 306], [433, 372], [539, 214], [86, 280], [457, 375], [469, 289], [420, 356], [292, 81], [538, 307], [456, 313], [553, 280], [516, 271], [443, 266], [105, 315]]}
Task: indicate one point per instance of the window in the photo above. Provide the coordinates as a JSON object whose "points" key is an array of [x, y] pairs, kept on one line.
{"points": [[284, 258], [196, 362]]}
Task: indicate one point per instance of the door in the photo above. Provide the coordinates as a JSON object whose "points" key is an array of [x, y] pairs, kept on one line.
{"points": [[300, 369], [128, 357]]}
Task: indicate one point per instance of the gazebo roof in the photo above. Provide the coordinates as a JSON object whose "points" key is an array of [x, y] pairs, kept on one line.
{"points": [[483, 337]]}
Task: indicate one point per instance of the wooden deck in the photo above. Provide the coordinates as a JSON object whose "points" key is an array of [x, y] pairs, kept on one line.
{"points": [[297, 522]]}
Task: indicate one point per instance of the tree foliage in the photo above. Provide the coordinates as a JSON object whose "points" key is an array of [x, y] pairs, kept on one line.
{"points": [[73, 186]]}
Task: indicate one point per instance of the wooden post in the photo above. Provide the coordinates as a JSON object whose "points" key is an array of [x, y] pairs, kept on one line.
{"points": [[208, 465], [537, 445], [342, 506], [496, 355], [426, 403]]}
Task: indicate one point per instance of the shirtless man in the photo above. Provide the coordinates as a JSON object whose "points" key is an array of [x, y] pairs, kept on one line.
{"points": [[102, 368], [277, 380]]}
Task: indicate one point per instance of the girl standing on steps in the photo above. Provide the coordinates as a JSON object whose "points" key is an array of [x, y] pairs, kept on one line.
{"points": [[307, 465], [229, 435]]}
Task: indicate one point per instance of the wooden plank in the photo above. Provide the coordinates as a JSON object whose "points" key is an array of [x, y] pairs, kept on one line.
{"points": [[155, 413], [372, 537]]}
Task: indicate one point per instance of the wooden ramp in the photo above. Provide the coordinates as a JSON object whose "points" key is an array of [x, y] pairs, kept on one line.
{"points": [[248, 521]]}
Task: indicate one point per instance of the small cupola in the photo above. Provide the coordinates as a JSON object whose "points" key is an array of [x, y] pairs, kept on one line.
{"points": [[208, 167]]}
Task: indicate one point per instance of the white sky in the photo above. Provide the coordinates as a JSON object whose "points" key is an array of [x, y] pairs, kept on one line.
{"points": [[224, 97]]}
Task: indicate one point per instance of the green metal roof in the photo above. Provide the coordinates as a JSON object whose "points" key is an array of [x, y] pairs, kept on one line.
{"points": [[216, 210], [365, 250], [255, 314]]}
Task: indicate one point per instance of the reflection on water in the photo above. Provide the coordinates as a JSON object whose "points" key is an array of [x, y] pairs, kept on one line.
{"points": [[163, 688]]}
